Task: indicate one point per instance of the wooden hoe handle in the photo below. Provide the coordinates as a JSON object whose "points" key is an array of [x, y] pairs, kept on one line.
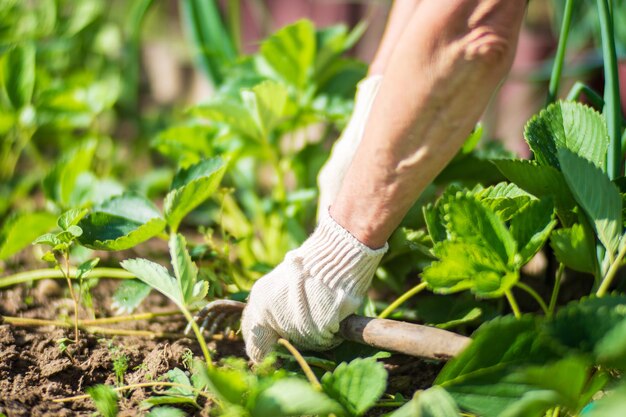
{"points": [[402, 337]]}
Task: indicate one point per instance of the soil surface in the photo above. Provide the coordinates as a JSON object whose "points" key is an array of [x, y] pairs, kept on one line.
{"points": [[34, 370]]}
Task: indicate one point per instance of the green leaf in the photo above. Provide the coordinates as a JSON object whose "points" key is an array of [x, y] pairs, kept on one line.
{"points": [[59, 184], [539, 180], [83, 270], [597, 195], [468, 221], [105, 399], [289, 54], [121, 222], [500, 342], [611, 349], [230, 385], [49, 239], [357, 385], [433, 217], [532, 227], [468, 266], [18, 74], [191, 187], [234, 115], [21, 229], [129, 295], [595, 327], [481, 378], [505, 199], [71, 218], [166, 412], [213, 46], [292, 397], [565, 383], [434, 402], [568, 125], [185, 270], [266, 103], [574, 249], [157, 277]]}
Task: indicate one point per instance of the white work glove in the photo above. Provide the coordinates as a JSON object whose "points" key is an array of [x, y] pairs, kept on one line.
{"points": [[315, 287], [331, 175]]}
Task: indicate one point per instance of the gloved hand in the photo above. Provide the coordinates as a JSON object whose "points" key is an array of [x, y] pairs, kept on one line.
{"points": [[331, 175], [315, 287]]}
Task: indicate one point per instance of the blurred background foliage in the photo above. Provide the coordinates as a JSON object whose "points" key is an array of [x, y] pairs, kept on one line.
{"points": [[102, 97]]}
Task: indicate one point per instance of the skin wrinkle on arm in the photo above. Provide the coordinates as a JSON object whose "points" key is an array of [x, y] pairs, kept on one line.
{"points": [[434, 90]]}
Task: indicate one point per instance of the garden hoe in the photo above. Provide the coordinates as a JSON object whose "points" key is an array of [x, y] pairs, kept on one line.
{"points": [[389, 335]]}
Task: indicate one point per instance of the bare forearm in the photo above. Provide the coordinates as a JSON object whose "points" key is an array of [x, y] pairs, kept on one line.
{"points": [[445, 67], [399, 17]]}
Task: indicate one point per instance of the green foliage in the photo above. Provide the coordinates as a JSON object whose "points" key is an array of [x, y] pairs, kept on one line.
{"points": [[179, 395], [292, 397], [212, 45], [480, 253], [568, 125], [105, 400], [574, 248], [434, 402], [594, 327], [121, 222], [356, 385], [192, 186], [60, 182], [597, 195], [185, 289], [21, 229], [18, 74]]}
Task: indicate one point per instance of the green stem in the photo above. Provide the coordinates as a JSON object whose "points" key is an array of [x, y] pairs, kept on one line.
{"points": [[613, 111], [534, 294], [140, 385], [579, 88], [401, 300], [513, 303], [198, 333], [51, 273], [234, 23], [557, 68], [305, 366], [610, 275], [555, 290], [26, 322]]}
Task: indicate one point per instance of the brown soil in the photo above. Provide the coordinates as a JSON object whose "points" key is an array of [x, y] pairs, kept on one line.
{"points": [[34, 371]]}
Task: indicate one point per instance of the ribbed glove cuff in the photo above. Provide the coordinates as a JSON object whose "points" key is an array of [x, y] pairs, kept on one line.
{"points": [[343, 262]]}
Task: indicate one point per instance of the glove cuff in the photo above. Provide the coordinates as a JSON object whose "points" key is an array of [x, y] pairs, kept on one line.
{"points": [[343, 262]]}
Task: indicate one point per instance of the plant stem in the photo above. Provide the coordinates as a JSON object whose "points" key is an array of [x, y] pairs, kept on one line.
{"points": [[51, 273], [513, 303], [199, 336], [610, 275], [579, 88], [402, 299], [22, 321], [555, 290], [66, 255], [557, 68], [613, 109], [140, 385], [234, 23], [534, 294], [132, 317], [305, 366]]}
